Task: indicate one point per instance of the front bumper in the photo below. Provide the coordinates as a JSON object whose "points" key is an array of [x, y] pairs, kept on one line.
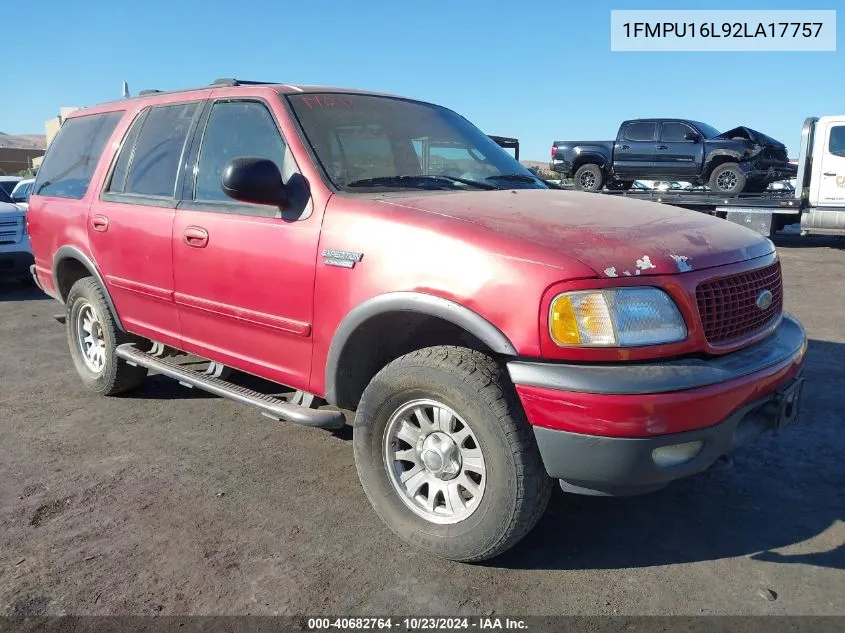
{"points": [[15, 264], [597, 426], [769, 174]]}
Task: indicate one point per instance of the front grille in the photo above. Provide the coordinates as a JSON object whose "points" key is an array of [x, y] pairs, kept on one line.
{"points": [[728, 306], [11, 231]]}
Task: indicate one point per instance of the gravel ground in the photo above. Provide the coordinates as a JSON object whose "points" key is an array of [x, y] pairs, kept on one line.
{"points": [[166, 501]]}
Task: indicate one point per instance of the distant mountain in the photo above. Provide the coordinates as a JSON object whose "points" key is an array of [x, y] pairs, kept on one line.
{"points": [[23, 141], [535, 163]]}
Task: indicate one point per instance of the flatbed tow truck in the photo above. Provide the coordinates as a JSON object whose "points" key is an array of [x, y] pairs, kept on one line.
{"points": [[817, 202]]}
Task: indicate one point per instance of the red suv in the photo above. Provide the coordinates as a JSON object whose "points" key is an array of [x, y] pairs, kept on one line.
{"points": [[380, 254]]}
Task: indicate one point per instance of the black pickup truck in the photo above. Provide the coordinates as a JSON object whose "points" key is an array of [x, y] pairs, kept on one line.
{"points": [[739, 160]]}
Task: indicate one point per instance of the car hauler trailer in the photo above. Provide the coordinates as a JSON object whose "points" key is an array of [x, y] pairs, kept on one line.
{"points": [[817, 202]]}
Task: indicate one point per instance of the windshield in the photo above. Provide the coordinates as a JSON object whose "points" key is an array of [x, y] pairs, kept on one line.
{"points": [[4, 197], [6, 187], [708, 130], [371, 142]]}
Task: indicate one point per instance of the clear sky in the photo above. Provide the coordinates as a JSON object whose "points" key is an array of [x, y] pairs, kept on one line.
{"points": [[539, 71]]}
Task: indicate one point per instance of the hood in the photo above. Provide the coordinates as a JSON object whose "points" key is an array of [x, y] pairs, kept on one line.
{"points": [[613, 236], [8, 209], [750, 135]]}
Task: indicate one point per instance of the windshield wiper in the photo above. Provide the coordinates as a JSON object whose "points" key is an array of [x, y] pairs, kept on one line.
{"points": [[419, 181], [517, 177]]}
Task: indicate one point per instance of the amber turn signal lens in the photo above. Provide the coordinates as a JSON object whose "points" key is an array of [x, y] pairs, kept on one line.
{"points": [[563, 323]]}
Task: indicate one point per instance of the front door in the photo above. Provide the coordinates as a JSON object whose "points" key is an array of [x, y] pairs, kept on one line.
{"points": [[244, 273], [130, 227], [676, 155], [831, 183]]}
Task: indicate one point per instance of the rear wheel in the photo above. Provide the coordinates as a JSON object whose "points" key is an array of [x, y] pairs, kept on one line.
{"points": [[446, 457], [589, 177], [93, 337], [727, 178]]}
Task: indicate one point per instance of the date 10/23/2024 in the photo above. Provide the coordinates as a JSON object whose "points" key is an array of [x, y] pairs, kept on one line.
{"points": [[489, 623]]}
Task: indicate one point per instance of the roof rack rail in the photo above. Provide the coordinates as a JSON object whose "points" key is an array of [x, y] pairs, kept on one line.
{"points": [[228, 81], [148, 92]]}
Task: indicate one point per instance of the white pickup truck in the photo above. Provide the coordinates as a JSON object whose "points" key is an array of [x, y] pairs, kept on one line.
{"points": [[15, 252]]}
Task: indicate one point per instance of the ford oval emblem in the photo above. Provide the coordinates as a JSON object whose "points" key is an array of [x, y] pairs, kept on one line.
{"points": [[764, 299]]}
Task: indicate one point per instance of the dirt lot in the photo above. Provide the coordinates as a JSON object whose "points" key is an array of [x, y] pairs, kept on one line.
{"points": [[167, 501]]}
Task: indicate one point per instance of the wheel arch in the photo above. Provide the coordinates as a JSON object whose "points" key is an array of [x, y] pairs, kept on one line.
{"points": [[589, 158], [719, 157], [389, 325], [69, 265]]}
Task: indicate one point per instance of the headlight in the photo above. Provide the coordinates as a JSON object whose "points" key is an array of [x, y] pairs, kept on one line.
{"points": [[615, 317]]}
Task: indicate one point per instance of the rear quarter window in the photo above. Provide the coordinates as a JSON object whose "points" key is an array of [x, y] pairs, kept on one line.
{"points": [[73, 155]]}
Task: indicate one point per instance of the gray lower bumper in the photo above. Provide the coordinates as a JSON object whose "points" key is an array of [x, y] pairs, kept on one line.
{"points": [[589, 464]]}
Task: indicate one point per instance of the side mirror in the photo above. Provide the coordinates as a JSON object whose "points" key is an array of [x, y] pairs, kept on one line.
{"points": [[692, 136], [255, 180]]}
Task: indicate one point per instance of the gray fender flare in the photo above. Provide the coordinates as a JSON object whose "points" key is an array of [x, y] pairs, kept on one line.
{"points": [[72, 252], [419, 303]]}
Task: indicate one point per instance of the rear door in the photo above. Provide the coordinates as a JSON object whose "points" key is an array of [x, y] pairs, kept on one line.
{"points": [[130, 227], [831, 182], [675, 155], [633, 154], [244, 273]]}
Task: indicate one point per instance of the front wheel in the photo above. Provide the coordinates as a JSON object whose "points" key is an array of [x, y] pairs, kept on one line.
{"points": [[446, 457], [727, 178]]}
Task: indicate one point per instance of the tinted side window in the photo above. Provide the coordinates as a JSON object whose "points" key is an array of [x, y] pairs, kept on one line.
{"points": [[674, 132], [836, 144], [127, 151], [158, 150], [235, 129], [73, 155], [640, 131]]}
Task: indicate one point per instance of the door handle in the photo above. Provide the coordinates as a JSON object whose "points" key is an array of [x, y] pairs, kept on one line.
{"points": [[100, 223], [624, 147], [196, 237], [830, 173], [662, 146]]}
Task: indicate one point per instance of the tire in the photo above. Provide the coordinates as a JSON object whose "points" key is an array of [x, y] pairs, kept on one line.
{"points": [[620, 185], [507, 500], [589, 177], [727, 178], [103, 373]]}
